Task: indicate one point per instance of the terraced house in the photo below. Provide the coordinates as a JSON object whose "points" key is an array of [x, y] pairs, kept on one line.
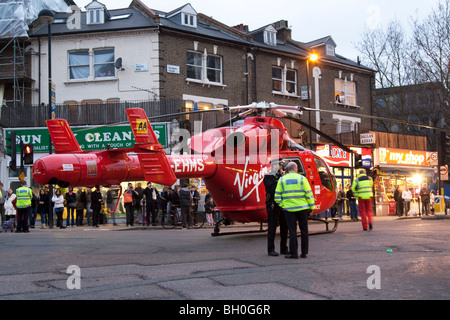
{"points": [[105, 60], [103, 56]]}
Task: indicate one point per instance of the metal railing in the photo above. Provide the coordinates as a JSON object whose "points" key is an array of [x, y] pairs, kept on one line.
{"points": [[89, 114]]}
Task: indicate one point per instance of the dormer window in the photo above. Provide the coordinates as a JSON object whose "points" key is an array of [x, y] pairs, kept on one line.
{"points": [[95, 16], [96, 13], [330, 50], [189, 20], [186, 16], [270, 36]]}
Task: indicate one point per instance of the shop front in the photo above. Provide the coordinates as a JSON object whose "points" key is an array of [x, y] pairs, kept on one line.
{"points": [[342, 164], [89, 139], [402, 169]]}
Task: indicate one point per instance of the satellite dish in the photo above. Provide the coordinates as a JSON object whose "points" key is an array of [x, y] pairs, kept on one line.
{"points": [[118, 64]]}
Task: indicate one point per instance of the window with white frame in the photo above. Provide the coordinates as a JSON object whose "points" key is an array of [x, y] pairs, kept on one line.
{"points": [[346, 124], [270, 36], [95, 16], [284, 81], [104, 63], [79, 64], [277, 79], [330, 50], [82, 66], [214, 68], [345, 92], [203, 67], [291, 81], [189, 20]]}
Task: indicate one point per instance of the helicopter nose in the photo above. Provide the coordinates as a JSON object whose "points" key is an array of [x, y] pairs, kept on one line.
{"points": [[39, 171], [41, 174]]}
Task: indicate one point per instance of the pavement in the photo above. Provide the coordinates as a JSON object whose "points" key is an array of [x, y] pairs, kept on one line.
{"points": [[401, 258]]}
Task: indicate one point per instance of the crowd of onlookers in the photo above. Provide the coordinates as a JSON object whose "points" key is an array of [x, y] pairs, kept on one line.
{"points": [[89, 206]]}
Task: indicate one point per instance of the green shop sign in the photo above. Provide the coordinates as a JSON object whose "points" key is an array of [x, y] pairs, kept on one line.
{"points": [[89, 138]]}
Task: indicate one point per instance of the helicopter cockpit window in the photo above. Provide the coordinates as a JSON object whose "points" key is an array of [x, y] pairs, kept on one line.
{"points": [[235, 139], [300, 168], [295, 146], [324, 175]]}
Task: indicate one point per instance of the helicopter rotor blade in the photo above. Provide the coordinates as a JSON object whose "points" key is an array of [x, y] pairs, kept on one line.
{"points": [[377, 118], [334, 141]]}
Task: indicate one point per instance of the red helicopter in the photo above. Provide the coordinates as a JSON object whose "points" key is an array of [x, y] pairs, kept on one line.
{"points": [[232, 161]]}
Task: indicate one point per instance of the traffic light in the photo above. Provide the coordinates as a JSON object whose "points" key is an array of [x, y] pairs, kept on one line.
{"points": [[27, 151], [358, 161], [11, 150]]}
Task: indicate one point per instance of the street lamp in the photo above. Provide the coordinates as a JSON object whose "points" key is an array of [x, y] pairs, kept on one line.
{"points": [[313, 58], [47, 17]]}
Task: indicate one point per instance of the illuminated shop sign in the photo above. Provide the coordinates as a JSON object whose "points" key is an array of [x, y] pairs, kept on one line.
{"points": [[403, 157], [336, 157]]}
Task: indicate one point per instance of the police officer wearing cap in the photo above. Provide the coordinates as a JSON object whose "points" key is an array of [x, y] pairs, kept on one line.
{"points": [[274, 212], [295, 197]]}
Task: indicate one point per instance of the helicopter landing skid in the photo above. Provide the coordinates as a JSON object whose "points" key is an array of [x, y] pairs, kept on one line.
{"points": [[327, 229], [217, 232]]}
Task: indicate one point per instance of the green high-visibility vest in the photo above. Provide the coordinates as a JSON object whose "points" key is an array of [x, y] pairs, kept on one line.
{"points": [[362, 187], [293, 193], [24, 196]]}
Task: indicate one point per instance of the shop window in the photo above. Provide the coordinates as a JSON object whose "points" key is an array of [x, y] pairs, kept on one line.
{"points": [[197, 106]]}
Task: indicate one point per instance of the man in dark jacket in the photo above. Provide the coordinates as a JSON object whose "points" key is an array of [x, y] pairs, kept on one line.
{"points": [[151, 201], [274, 212], [96, 206], [186, 203]]}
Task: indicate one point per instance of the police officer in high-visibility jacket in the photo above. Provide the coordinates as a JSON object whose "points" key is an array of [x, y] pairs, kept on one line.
{"points": [[362, 188], [294, 195], [23, 205]]}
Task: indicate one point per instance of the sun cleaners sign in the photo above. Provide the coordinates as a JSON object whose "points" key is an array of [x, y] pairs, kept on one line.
{"points": [[89, 138], [403, 157]]}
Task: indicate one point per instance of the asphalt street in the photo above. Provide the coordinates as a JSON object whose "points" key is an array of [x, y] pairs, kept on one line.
{"points": [[406, 259]]}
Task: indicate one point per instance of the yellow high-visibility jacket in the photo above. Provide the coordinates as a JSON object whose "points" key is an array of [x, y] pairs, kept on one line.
{"points": [[362, 187], [293, 193], [24, 196]]}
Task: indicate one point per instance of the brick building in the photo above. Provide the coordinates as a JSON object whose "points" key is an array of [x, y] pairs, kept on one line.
{"points": [[190, 57]]}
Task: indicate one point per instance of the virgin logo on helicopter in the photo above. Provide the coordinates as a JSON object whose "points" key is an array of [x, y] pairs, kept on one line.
{"points": [[249, 180]]}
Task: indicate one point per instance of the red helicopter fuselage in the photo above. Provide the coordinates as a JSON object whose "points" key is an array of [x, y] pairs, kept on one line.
{"points": [[232, 161]]}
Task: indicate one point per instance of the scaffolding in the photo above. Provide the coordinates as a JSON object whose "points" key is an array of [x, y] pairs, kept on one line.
{"points": [[15, 17], [14, 75]]}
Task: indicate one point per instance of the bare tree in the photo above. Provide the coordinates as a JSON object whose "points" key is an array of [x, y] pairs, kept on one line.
{"points": [[387, 52], [431, 55], [412, 74]]}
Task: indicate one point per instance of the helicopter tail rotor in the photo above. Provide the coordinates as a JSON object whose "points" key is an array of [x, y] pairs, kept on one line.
{"points": [[150, 152]]}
